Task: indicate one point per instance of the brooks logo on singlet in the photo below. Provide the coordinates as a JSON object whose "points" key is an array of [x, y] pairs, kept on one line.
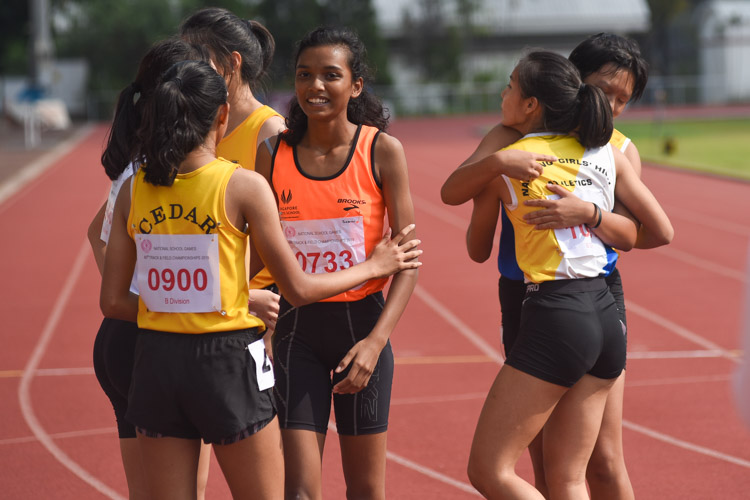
{"points": [[352, 202]]}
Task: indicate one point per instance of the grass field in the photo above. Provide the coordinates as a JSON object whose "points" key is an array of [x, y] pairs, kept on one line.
{"points": [[709, 145]]}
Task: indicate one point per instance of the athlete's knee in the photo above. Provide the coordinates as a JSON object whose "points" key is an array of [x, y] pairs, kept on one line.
{"points": [[605, 468], [485, 476]]}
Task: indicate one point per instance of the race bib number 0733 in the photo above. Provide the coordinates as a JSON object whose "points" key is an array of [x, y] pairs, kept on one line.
{"points": [[179, 273], [326, 245]]}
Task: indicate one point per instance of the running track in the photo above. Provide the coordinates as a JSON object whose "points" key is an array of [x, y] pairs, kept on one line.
{"points": [[682, 436]]}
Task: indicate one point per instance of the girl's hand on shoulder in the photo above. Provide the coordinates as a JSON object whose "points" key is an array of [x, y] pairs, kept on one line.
{"points": [[391, 255], [567, 211], [522, 165]]}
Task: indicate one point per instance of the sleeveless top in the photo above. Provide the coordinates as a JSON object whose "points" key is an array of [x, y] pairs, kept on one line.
{"points": [[333, 222], [568, 253], [240, 146], [191, 259], [506, 257]]}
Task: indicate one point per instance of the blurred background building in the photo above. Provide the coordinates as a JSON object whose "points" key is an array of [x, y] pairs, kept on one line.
{"points": [[432, 56]]}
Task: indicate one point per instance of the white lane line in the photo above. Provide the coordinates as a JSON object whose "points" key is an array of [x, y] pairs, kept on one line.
{"points": [[695, 217], [710, 353], [678, 381], [62, 435], [465, 487], [461, 223], [679, 330], [409, 464], [440, 212], [453, 320], [684, 444], [24, 389], [37, 167], [701, 263]]}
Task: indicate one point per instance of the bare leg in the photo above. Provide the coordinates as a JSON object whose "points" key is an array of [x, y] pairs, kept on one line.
{"points": [[303, 463], [514, 412], [606, 473], [536, 452], [135, 474], [254, 466], [171, 465], [570, 435], [363, 459], [204, 462]]}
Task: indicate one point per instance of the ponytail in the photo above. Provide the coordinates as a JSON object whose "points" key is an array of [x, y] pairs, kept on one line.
{"points": [[568, 104], [179, 117], [119, 151], [122, 142], [596, 124]]}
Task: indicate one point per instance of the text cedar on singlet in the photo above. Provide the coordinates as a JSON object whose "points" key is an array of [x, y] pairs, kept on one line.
{"points": [[176, 211]]}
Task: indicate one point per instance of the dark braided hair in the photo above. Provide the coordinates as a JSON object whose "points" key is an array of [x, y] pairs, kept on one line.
{"points": [[365, 109]]}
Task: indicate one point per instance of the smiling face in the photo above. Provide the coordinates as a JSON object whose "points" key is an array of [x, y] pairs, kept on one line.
{"points": [[324, 83], [617, 84]]}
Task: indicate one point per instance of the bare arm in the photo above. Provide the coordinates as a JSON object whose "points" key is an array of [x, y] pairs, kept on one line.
{"points": [[115, 299], [98, 247], [634, 157], [655, 229], [481, 232], [390, 162], [615, 229], [487, 162], [250, 195]]}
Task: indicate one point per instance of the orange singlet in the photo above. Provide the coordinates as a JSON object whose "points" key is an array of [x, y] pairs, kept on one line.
{"points": [[334, 222]]}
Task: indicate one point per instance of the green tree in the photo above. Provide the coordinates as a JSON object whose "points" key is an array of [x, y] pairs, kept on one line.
{"points": [[433, 44], [14, 35], [290, 20], [113, 35]]}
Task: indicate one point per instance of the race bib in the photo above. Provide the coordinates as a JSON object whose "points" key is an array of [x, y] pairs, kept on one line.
{"points": [[580, 241], [179, 273], [263, 368], [326, 245]]}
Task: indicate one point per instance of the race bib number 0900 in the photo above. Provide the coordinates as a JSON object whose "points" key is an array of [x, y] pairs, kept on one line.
{"points": [[179, 273]]}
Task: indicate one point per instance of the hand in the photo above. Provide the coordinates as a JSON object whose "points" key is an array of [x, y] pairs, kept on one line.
{"points": [[265, 305], [391, 256], [568, 211], [363, 358], [522, 165]]}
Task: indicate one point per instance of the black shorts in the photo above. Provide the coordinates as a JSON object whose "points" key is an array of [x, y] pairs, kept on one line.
{"points": [[198, 386], [114, 350], [511, 293], [308, 344], [569, 328]]}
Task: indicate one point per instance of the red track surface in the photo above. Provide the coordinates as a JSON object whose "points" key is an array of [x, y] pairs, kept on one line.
{"points": [[682, 436]]}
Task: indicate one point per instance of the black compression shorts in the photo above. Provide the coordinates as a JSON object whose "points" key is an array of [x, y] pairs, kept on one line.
{"points": [[569, 328], [308, 344]]}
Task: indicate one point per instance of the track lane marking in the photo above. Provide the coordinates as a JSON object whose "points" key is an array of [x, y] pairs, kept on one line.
{"points": [[410, 464], [24, 389]]}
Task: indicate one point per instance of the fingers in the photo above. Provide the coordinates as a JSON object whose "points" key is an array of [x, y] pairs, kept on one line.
{"points": [[387, 236], [402, 234], [558, 189]]}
